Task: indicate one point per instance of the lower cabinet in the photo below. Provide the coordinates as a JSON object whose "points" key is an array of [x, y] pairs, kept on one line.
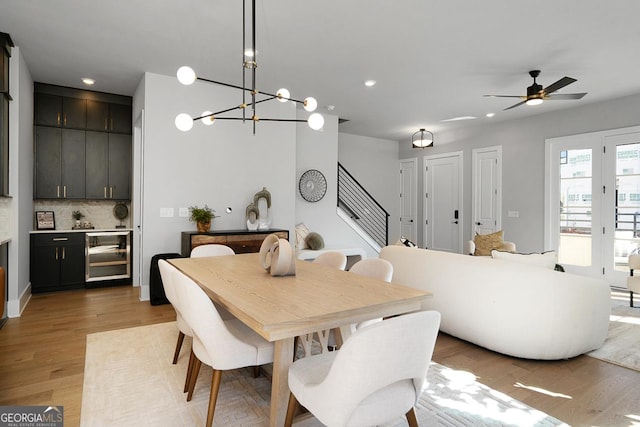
{"points": [[57, 261]]}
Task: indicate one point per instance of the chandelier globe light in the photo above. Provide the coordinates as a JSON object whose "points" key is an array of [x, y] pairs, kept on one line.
{"points": [[187, 76]]}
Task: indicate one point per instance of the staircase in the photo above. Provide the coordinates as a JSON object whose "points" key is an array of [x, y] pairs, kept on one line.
{"points": [[361, 211]]}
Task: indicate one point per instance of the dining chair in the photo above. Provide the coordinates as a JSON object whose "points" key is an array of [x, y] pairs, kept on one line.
{"points": [[325, 337], [376, 268], [377, 375], [211, 250], [221, 344], [332, 259], [167, 273]]}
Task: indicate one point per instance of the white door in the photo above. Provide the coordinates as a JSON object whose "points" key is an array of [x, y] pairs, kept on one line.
{"points": [[136, 200], [487, 190], [443, 202], [408, 196], [593, 202]]}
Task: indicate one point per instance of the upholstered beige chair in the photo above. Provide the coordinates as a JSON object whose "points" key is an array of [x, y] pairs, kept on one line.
{"points": [[376, 268], [633, 282], [332, 259], [211, 250], [167, 272], [377, 376], [221, 344]]}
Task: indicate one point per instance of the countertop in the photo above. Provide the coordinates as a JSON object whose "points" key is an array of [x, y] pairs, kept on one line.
{"points": [[81, 230]]}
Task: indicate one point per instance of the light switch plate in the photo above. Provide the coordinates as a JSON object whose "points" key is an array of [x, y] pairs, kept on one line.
{"points": [[183, 212], [513, 214], [166, 212]]}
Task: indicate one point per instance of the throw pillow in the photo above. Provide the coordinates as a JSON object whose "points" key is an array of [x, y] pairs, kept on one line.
{"points": [[407, 242], [314, 241], [301, 234], [545, 259], [485, 243]]}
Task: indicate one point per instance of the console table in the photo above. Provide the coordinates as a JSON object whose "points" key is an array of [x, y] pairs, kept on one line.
{"points": [[241, 241]]}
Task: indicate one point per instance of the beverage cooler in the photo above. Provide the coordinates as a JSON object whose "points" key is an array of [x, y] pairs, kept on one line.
{"points": [[108, 256]]}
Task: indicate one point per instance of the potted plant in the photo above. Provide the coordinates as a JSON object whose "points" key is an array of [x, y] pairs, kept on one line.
{"points": [[202, 217], [77, 215]]}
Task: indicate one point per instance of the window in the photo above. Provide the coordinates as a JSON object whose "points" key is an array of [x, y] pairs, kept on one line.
{"points": [[5, 52]]}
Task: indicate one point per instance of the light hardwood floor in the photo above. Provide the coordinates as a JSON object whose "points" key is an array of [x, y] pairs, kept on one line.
{"points": [[42, 361]]}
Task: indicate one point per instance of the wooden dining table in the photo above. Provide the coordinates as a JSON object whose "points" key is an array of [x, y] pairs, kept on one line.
{"points": [[283, 307]]}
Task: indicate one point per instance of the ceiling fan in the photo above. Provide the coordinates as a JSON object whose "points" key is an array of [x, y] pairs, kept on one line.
{"points": [[536, 94]]}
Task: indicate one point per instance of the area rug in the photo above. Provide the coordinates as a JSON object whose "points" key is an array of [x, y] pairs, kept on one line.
{"points": [[129, 380], [622, 346]]}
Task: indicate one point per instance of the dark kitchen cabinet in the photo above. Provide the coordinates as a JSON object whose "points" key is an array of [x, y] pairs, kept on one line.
{"points": [[108, 117], [59, 163], [60, 111], [57, 261], [108, 165]]}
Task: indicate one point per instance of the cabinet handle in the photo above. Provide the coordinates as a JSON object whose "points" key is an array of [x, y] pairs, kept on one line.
{"points": [[111, 125], [65, 119], [111, 192], [64, 252], [60, 239], [64, 191], [58, 119], [105, 192], [105, 124], [56, 254], [58, 191]]}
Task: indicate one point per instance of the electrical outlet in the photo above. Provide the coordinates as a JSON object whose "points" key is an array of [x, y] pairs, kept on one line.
{"points": [[183, 212]]}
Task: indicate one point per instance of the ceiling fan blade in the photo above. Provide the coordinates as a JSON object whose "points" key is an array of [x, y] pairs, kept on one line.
{"points": [[515, 105], [560, 96], [506, 96], [559, 84]]}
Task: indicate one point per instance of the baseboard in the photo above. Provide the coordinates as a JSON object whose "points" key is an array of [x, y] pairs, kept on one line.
{"points": [[16, 307]]}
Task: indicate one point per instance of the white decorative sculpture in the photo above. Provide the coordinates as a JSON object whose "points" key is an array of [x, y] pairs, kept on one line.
{"points": [[252, 215]]}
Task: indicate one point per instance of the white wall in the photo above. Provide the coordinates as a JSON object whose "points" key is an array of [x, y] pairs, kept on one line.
{"points": [[522, 144], [20, 181], [374, 163], [222, 165]]}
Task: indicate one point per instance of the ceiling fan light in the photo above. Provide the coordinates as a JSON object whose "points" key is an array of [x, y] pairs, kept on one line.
{"points": [[186, 75], [534, 101], [422, 139]]}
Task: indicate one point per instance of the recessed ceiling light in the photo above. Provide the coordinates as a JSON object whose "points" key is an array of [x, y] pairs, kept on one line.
{"points": [[455, 119], [88, 81], [369, 83], [490, 114]]}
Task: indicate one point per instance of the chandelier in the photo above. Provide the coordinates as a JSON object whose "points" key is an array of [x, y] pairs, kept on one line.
{"points": [[421, 139], [187, 76]]}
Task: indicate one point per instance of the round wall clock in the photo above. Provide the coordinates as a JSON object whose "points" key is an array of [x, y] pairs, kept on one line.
{"points": [[312, 185]]}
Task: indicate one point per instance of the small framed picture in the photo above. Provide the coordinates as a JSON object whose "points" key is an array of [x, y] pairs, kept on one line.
{"points": [[45, 220]]}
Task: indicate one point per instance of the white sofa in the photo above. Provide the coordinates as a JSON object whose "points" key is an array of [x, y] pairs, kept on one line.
{"points": [[512, 308]]}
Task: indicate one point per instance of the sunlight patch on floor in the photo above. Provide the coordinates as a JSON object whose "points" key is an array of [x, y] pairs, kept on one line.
{"points": [[543, 391]]}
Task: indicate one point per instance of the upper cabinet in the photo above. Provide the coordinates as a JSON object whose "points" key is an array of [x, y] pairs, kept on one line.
{"points": [[60, 111], [108, 117], [82, 144]]}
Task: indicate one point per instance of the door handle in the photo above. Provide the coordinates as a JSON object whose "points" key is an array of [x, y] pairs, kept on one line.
{"points": [[478, 223], [410, 220], [454, 222]]}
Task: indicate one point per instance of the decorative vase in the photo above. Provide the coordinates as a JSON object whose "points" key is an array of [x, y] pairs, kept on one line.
{"points": [[203, 227]]}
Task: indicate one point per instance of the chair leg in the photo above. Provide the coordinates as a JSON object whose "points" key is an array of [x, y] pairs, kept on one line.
{"points": [[256, 371], [194, 376], [213, 396], [630, 299], [192, 356], [178, 347], [411, 418], [291, 410]]}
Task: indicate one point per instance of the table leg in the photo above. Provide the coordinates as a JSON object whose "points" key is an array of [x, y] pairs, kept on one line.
{"points": [[282, 359]]}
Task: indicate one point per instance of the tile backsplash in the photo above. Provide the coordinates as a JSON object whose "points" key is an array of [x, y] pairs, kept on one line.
{"points": [[99, 213]]}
